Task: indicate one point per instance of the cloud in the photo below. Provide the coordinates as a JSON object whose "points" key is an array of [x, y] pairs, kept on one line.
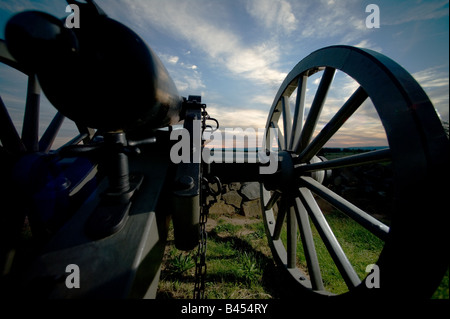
{"points": [[273, 14], [186, 76], [328, 18], [255, 63], [262, 100], [199, 24], [191, 82], [229, 116], [432, 78], [435, 82], [250, 121], [400, 13], [173, 59], [367, 44]]}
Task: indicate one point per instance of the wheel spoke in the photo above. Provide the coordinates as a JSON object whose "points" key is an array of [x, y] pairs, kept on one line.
{"points": [[287, 120], [309, 246], [8, 133], [315, 110], [291, 237], [49, 136], [297, 125], [334, 248], [370, 223], [273, 199], [280, 138], [353, 160], [30, 129], [75, 141], [352, 104], [279, 222]]}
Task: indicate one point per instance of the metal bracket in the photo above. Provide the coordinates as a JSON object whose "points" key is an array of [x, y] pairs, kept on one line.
{"points": [[186, 192], [112, 212]]}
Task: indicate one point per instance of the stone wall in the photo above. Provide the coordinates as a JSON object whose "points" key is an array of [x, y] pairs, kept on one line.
{"points": [[238, 198]]}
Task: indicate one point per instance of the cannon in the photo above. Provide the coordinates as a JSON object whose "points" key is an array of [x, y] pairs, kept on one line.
{"points": [[102, 203]]}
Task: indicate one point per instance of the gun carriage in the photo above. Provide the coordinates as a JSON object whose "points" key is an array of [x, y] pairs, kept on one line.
{"points": [[104, 200]]}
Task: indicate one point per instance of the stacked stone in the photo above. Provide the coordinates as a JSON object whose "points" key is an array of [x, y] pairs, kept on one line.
{"points": [[239, 198]]}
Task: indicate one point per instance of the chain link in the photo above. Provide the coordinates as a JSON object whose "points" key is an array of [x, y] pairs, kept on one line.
{"points": [[200, 265], [205, 191]]}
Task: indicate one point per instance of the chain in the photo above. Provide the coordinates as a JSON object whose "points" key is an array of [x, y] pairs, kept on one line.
{"points": [[205, 191], [200, 265]]}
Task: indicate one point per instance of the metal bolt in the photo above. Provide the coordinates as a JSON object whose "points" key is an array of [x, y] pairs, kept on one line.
{"points": [[185, 182]]}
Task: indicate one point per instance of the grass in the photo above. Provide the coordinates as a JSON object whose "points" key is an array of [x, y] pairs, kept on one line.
{"points": [[240, 264], [442, 292], [361, 248]]}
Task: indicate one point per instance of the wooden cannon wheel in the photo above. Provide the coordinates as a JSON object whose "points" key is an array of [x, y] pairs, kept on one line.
{"points": [[418, 154]]}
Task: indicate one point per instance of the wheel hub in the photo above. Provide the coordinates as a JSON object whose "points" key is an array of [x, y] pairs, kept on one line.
{"points": [[285, 179]]}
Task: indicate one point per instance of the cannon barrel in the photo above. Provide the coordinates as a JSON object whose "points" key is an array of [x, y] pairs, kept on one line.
{"points": [[101, 75]]}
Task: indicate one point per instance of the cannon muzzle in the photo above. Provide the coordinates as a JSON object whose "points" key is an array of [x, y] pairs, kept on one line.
{"points": [[100, 75]]}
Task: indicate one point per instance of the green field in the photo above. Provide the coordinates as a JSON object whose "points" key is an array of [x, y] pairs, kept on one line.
{"points": [[240, 264]]}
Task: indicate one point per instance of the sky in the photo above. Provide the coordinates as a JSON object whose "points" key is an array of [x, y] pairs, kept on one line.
{"points": [[236, 53]]}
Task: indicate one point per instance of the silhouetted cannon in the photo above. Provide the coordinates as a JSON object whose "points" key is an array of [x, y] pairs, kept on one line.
{"points": [[101, 204], [103, 75]]}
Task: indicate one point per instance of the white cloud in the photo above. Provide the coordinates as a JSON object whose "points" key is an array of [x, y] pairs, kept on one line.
{"points": [[188, 80], [194, 81], [435, 82], [168, 59], [173, 59], [326, 19], [255, 63], [199, 24], [433, 77], [229, 117], [265, 101], [367, 44], [186, 76], [273, 14]]}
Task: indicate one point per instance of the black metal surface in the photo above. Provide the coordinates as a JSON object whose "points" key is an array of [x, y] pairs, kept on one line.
{"points": [[186, 192], [30, 129], [8, 134], [112, 213], [111, 53]]}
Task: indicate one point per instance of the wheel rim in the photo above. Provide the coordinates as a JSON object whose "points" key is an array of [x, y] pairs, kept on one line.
{"points": [[418, 151]]}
